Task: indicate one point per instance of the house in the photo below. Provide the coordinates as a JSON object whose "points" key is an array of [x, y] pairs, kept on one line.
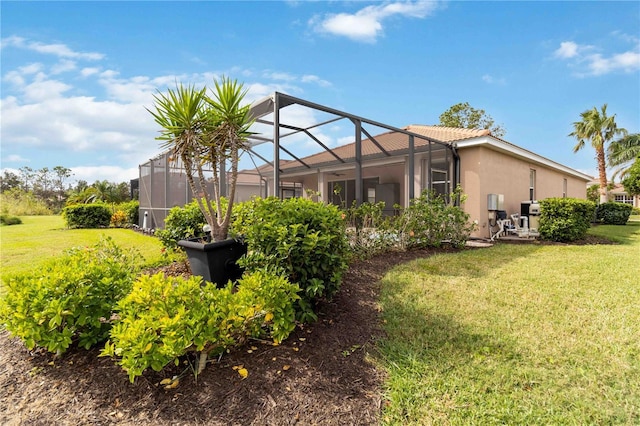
{"points": [[395, 165], [619, 195]]}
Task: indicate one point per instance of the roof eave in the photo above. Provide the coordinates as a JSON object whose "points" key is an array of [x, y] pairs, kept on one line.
{"points": [[504, 146]]}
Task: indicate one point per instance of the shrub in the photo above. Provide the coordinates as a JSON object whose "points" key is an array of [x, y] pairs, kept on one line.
{"points": [[163, 318], [368, 230], [301, 238], [17, 202], [635, 211], [181, 223], [430, 220], [119, 219], [613, 213], [131, 210], [87, 216], [565, 219], [68, 299], [6, 219]]}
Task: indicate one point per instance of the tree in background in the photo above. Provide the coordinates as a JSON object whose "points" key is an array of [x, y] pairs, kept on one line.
{"points": [[622, 153], [465, 116], [631, 182], [599, 129], [9, 180]]}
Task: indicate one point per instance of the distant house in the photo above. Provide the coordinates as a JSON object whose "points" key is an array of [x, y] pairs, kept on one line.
{"points": [[398, 164], [619, 195]]}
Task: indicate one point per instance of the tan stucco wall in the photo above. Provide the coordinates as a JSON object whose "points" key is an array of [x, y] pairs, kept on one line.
{"points": [[485, 171]]}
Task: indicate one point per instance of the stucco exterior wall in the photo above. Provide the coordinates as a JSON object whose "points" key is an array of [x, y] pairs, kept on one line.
{"points": [[485, 171]]}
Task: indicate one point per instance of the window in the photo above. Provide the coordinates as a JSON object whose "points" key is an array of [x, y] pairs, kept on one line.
{"points": [[624, 198], [288, 193], [371, 195], [564, 188], [439, 182], [343, 192], [532, 184]]}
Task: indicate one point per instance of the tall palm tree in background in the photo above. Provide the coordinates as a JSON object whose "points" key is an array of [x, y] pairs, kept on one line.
{"points": [[622, 153], [599, 129]]}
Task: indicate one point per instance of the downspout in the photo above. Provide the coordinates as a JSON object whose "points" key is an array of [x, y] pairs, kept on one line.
{"points": [[456, 168]]}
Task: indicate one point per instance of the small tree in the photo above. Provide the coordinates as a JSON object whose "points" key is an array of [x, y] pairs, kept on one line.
{"points": [[465, 116], [204, 132], [631, 183]]}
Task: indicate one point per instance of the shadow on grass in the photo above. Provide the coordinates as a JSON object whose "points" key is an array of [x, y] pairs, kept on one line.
{"points": [[627, 234]]}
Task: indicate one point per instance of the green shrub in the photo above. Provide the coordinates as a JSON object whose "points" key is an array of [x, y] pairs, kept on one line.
{"points": [[635, 211], [130, 209], [369, 232], [565, 219], [613, 213], [69, 298], [94, 215], [301, 238], [164, 318], [181, 223], [430, 220], [6, 219]]}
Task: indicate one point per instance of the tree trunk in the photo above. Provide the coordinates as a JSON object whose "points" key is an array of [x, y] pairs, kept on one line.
{"points": [[202, 362], [602, 171]]}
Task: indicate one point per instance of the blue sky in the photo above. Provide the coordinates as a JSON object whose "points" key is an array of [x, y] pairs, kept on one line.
{"points": [[77, 76]]}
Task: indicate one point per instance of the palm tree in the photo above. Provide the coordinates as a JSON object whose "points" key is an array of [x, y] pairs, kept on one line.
{"points": [[598, 128], [623, 152], [205, 131]]}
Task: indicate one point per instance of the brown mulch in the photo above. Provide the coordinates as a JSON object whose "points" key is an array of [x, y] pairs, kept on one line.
{"points": [[320, 375]]}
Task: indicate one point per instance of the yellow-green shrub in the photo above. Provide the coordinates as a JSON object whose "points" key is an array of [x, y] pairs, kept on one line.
{"points": [[163, 318], [69, 298]]}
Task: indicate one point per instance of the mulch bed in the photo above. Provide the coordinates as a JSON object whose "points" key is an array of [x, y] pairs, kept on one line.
{"points": [[320, 375]]}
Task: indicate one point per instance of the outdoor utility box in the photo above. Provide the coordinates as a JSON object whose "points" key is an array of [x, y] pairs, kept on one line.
{"points": [[528, 208], [495, 202], [389, 193]]}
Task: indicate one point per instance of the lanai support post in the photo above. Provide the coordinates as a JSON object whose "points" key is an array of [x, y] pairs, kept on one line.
{"points": [[276, 145], [412, 177], [358, 147]]}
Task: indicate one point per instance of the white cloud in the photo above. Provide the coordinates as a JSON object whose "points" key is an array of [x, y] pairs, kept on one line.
{"points": [[56, 49], [626, 62], [594, 64], [366, 24], [87, 72], [315, 79], [64, 65], [110, 173], [14, 158], [493, 80], [567, 49], [43, 89], [283, 76]]}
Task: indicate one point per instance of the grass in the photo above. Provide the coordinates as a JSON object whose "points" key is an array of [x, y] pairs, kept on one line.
{"points": [[516, 334], [40, 238]]}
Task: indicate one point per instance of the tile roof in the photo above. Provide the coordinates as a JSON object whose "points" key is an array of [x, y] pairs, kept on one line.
{"points": [[392, 142]]}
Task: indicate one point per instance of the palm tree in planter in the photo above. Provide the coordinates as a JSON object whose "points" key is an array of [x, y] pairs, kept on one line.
{"points": [[203, 133]]}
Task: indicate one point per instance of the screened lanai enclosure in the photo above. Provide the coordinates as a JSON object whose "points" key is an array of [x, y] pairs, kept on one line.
{"points": [[321, 152]]}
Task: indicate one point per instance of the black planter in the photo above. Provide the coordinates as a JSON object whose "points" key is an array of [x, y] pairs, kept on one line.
{"points": [[216, 261]]}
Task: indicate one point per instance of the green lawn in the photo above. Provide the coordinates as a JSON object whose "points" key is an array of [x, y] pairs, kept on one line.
{"points": [[516, 334], [39, 238]]}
